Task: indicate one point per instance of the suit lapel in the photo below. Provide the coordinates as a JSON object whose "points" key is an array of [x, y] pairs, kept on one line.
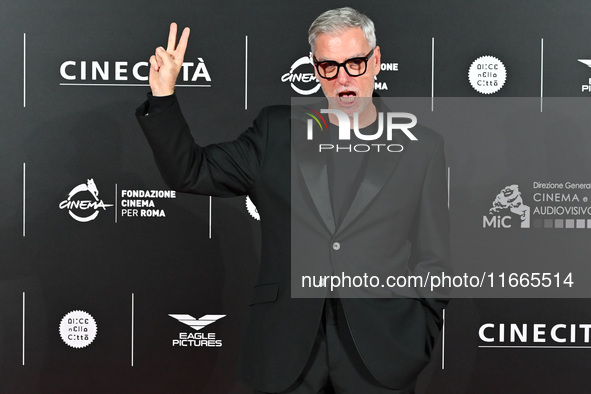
{"points": [[380, 167], [315, 175], [313, 168]]}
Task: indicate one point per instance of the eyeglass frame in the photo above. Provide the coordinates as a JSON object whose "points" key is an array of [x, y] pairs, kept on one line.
{"points": [[343, 64]]}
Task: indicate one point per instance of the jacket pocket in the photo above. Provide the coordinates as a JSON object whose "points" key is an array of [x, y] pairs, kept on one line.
{"points": [[265, 293]]}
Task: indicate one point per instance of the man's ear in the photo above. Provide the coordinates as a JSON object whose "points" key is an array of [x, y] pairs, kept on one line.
{"points": [[314, 66], [377, 57]]}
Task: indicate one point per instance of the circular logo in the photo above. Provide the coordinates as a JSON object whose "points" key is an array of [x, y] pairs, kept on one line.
{"points": [[252, 209], [78, 207], [78, 329], [304, 83], [487, 74]]}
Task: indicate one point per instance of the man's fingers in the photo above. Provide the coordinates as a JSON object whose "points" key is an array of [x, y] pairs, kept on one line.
{"points": [[166, 59], [184, 40], [166, 63], [154, 63], [161, 56], [171, 38]]}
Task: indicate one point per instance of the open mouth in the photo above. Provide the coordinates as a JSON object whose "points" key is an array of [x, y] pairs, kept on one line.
{"points": [[347, 96]]}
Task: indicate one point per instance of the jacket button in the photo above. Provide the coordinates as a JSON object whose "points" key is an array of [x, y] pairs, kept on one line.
{"points": [[336, 246]]}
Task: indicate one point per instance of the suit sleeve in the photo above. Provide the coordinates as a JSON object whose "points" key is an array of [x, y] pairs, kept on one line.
{"points": [[224, 170], [431, 243]]}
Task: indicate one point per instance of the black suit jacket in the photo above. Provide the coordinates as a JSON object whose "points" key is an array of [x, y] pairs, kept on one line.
{"points": [[394, 336]]}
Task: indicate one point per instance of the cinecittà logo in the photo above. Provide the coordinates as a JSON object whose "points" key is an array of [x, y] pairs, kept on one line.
{"points": [[124, 73], [197, 339], [516, 335], [79, 206]]}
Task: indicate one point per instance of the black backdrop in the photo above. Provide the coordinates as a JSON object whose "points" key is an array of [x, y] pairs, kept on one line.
{"points": [[130, 273]]}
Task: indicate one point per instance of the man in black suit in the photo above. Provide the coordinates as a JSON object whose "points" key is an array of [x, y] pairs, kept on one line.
{"points": [[379, 213]]}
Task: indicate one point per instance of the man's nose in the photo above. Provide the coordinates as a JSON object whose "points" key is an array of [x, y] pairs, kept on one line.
{"points": [[343, 78]]}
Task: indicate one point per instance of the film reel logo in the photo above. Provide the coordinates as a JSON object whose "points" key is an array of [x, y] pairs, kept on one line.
{"points": [[81, 209]]}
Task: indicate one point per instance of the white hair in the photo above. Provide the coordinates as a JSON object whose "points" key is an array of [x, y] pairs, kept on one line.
{"points": [[338, 20]]}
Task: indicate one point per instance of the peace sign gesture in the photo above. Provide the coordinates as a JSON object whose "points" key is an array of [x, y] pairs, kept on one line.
{"points": [[165, 65]]}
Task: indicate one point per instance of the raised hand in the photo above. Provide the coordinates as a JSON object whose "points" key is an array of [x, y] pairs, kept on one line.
{"points": [[165, 65]]}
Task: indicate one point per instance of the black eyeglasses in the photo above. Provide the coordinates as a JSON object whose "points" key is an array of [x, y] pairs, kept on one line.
{"points": [[355, 66]]}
